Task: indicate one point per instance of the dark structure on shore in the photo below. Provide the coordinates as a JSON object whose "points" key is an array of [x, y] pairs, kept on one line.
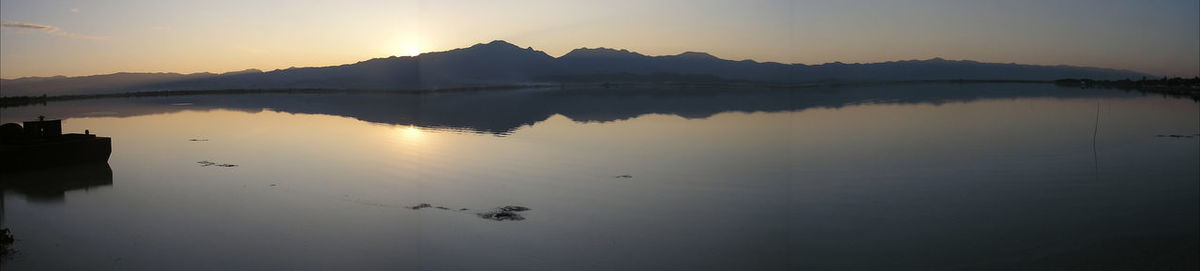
{"points": [[41, 144]]}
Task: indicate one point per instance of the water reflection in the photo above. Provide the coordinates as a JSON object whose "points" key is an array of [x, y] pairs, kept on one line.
{"points": [[50, 185], [501, 112], [937, 177]]}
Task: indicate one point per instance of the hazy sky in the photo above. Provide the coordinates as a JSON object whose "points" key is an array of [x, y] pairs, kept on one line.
{"points": [[48, 37]]}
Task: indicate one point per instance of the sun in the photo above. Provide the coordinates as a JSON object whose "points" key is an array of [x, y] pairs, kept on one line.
{"points": [[411, 44], [412, 50]]}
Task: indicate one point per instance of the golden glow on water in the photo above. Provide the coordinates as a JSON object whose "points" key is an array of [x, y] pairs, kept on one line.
{"points": [[409, 132]]}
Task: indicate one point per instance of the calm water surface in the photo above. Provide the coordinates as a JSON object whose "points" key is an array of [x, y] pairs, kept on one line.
{"points": [[924, 177]]}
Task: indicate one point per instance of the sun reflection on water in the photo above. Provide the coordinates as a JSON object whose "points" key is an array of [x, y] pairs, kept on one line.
{"points": [[409, 132]]}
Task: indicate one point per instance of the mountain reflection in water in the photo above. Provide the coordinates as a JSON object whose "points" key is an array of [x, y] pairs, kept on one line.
{"points": [[502, 112], [899, 177]]}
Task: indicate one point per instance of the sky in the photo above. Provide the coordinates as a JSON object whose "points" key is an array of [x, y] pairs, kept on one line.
{"points": [[74, 38]]}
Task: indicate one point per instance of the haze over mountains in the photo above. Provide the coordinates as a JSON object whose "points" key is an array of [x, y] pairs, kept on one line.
{"points": [[500, 63]]}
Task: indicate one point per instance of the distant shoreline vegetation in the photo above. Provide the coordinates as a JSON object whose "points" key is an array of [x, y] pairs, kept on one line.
{"points": [[621, 80], [1175, 87]]}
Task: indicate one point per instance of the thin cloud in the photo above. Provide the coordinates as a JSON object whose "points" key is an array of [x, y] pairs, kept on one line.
{"points": [[28, 26], [74, 10], [48, 29]]}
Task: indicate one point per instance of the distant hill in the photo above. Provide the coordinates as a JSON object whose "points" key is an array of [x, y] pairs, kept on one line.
{"points": [[502, 63]]}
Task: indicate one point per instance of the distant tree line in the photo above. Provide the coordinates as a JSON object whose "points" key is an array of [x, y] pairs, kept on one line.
{"points": [[22, 100], [1178, 86]]}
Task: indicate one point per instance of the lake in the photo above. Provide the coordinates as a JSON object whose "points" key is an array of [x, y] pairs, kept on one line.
{"points": [[892, 177]]}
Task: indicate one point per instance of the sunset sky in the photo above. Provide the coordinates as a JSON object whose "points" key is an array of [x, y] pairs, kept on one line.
{"points": [[47, 38]]}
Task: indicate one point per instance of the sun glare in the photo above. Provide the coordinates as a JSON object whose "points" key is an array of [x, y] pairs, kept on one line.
{"points": [[408, 132], [412, 50]]}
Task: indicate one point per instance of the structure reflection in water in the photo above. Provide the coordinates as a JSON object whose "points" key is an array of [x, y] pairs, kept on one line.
{"points": [[51, 184]]}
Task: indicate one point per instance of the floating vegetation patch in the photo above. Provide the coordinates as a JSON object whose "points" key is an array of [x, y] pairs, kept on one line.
{"points": [[504, 213], [512, 208], [206, 163]]}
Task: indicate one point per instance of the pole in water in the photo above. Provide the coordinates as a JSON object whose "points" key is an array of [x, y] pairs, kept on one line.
{"points": [[1096, 131]]}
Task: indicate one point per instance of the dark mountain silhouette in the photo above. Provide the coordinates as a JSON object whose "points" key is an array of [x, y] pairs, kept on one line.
{"points": [[602, 53], [502, 63], [117, 82]]}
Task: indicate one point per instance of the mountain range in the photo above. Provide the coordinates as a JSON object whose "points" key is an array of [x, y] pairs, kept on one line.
{"points": [[500, 63]]}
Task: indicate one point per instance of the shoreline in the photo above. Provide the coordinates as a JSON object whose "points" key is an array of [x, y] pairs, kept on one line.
{"points": [[1174, 87], [19, 101]]}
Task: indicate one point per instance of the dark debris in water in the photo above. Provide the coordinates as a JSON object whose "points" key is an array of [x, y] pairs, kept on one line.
{"points": [[6, 241], [506, 213], [206, 163], [512, 208], [1179, 136], [501, 216], [503, 213]]}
